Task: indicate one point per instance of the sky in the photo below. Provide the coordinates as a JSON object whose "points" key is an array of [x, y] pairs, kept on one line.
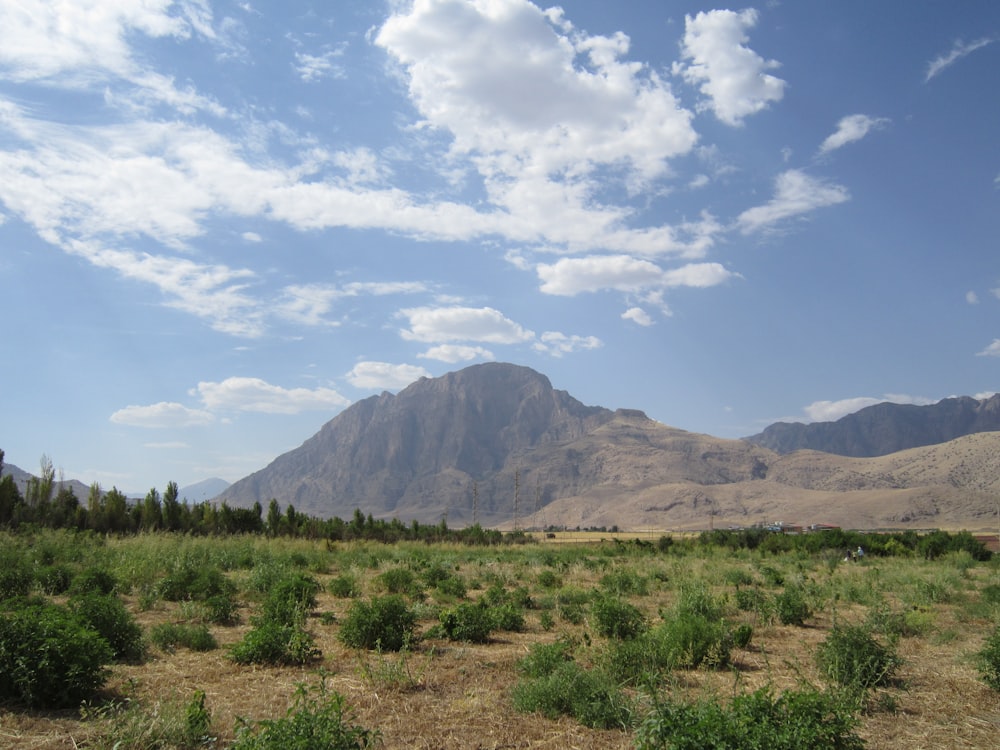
{"points": [[222, 222]]}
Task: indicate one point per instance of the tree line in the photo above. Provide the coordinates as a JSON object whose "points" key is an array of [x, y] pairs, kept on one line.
{"points": [[49, 503]]}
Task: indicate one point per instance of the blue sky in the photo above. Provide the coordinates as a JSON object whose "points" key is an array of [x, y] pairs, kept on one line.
{"points": [[222, 222]]}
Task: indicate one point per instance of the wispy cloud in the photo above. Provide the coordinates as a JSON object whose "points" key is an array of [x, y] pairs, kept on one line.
{"points": [[795, 194], [242, 394], [383, 375], [572, 276], [163, 415], [959, 50], [851, 128]]}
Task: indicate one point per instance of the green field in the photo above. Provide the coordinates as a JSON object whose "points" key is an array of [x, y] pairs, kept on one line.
{"points": [[641, 642]]}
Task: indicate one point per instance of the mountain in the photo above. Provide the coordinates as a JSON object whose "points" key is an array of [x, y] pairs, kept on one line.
{"points": [[886, 428], [495, 443], [206, 489], [21, 478]]}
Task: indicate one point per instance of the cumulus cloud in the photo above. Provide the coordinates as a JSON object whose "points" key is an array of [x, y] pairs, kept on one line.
{"points": [[242, 394], [436, 325], [830, 411], [539, 107], [795, 194], [959, 50], [972, 298], [851, 128], [383, 375], [162, 415], [731, 75], [572, 276]]}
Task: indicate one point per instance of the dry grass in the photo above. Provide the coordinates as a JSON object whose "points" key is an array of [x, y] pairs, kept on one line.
{"points": [[458, 695]]}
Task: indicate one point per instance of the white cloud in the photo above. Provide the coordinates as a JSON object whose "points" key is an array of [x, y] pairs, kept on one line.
{"points": [[830, 411], [163, 414], [638, 315], [795, 193], [252, 237], [726, 71], [538, 107], [959, 50], [308, 304], [453, 353], [851, 128], [256, 395], [972, 298], [316, 67], [81, 44], [572, 276], [558, 344], [382, 375], [993, 350], [444, 324]]}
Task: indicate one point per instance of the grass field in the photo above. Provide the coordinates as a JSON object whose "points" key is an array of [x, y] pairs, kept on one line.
{"points": [[439, 692]]}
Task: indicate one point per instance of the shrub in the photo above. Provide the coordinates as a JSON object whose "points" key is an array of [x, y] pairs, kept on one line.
{"points": [[270, 642], [988, 660], [691, 640], [384, 622], [639, 661], [508, 617], [16, 578], [400, 581], [131, 725], [316, 719], [54, 579], [590, 696], [105, 614], [543, 658], [742, 635], [625, 582], [94, 580], [792, 607], [291, 599], [48, 658], [793, 720], [344, 587], [169, 635], [452, 586], [548, 579], [614, 618], [467, 622], [851, 657], [195, 583]]}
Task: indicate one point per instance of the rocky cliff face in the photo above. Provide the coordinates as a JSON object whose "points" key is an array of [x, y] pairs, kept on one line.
{"points": [[426, 450], [886, 428]]}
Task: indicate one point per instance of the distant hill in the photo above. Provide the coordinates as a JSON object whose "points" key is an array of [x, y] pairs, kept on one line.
{"points": [[495, 443], [886, 428], [206, 489], [21, 477]]}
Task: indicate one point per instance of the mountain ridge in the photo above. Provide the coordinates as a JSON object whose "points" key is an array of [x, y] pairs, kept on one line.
{"points": [[496, 444]]}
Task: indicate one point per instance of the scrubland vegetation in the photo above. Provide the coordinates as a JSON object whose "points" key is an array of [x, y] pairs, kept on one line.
{"points": [[730, 640]]}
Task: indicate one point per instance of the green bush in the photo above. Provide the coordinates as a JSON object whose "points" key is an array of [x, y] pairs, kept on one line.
{"points": [[344, 587], [197, 583], [54, 579], [316, 719], [48, 658], [16, 578], [291, 599], [271, 642], [168, 724], [792, 721], [94, 579], [467, 622], [625, 582], [742, 635], [851, 657], [543, 658], [988, 660], [169, 635], [105, 614], [590, 696], [508, 617], [692, 640], [383, 622], [614, 618], [400, 581], [640, 661], [548, 579], [792, 607]]}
